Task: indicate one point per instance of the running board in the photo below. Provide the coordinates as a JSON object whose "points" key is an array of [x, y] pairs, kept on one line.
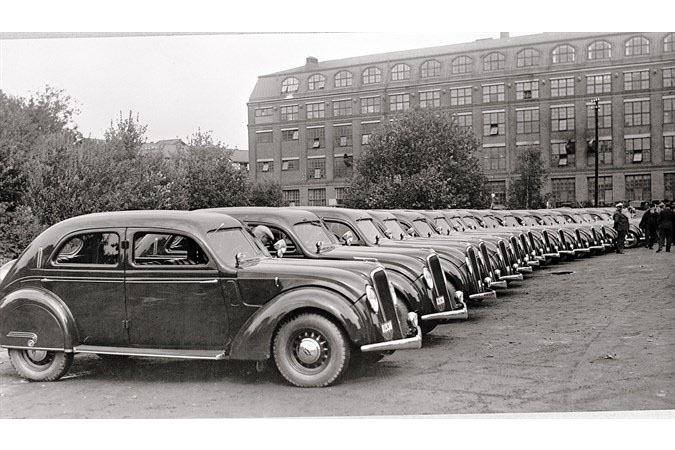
{"points": [[152, 352]]}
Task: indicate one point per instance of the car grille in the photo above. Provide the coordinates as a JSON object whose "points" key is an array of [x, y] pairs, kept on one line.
{"points": [[505, 255], [439, 283], [475, 270], [387, 309], [486, 259]]}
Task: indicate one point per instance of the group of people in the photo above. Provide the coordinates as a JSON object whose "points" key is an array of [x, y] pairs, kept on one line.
{"points": [[658, 224]]}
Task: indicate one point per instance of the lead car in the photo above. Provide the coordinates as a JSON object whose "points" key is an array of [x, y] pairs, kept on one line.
{"points": [[196, 285]]}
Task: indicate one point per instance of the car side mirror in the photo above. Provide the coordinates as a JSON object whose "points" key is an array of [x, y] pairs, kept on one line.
{"points": [[237, 259], [348, 238], [388, 233], [401, 236], [429, 234], [377, 240], [447, 232], [281, 247], [319, 244]]}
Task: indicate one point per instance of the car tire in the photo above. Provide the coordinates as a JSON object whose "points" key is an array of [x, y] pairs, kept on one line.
{"points": [[427, 326], [311, 351], [40, 365]]}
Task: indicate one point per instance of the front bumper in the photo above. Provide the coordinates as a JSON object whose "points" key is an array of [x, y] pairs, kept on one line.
{"points": [[483, 295], [566, 252], [412, 343], [501, 284], [552, 255], [533, 263], [514, 277], [445, 315], [597, 247], [524, 269], [582, 250]]}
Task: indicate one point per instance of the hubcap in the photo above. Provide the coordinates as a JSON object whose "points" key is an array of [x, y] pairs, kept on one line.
{"points": [[309, 351], [37, 355]]}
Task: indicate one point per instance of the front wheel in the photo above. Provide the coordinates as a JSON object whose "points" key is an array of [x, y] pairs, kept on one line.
{"points": [[311, 351], [40, 365]]}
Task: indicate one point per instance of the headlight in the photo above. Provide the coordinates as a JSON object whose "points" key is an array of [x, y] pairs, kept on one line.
{"points": [[372, 298], [428, 278], [498, 272], [533, 253], [392, 291], [515, 265], [487, 281]]}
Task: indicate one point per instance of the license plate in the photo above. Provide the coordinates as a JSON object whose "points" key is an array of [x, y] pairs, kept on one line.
{"points": [[387, 327], [440, 301]]}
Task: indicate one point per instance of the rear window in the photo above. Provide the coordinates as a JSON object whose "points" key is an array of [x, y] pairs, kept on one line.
{"points": [[90, 248]]}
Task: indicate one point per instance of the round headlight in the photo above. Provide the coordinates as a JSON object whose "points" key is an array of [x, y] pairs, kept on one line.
{"points": [[372, 298], [498, 272], [533, 253], [515, 265], [428, 278]]}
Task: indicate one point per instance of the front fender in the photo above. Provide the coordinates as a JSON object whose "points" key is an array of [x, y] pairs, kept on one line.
{"points": [[413, 298], [35, 318], [254, 339]]}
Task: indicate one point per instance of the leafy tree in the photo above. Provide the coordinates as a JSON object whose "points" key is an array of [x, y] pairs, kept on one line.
{"points": [[126, 136], [421, 159], [267, 193], [525, 192]]}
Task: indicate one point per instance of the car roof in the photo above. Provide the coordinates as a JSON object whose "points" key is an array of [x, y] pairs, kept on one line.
{"points": [[336, 213], [286, 216]]}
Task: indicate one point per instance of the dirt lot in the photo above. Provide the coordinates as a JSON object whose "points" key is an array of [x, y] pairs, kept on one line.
{"points": [[599, 339]]}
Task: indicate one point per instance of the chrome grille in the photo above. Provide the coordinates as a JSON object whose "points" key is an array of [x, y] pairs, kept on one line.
{"points": [[440, 289], [388, 311]]}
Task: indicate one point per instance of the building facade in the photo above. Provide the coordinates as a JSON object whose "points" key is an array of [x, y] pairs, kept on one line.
{"points": [[307, 124]]}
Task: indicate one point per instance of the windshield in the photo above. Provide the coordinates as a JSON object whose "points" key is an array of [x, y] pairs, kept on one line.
{"points": [[471, 222], [369, 230], [577, 218], [550, 220], [423, 228], [443, 225], [228, 242], [312, 232], [530, 221], [588, 218], [510, 221], [395, 227], [490, 221]]}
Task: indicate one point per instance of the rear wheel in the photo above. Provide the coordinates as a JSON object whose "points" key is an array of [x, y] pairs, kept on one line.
{"points": [[311, 351], [40, 365]]}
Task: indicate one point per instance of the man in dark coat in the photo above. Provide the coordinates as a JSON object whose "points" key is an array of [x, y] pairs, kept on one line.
{"points": [[648, 225], [666, 226], [621, 226]]}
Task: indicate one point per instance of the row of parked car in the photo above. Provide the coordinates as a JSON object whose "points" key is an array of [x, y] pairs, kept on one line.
{"points": [[311, 288]]}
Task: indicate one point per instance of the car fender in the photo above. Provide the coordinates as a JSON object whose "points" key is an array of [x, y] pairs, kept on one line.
{"points": [[405, 288], [37, 319], [254, 339]]}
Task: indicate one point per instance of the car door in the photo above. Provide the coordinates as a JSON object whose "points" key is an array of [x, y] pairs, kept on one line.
{"points": [[173, 292]]}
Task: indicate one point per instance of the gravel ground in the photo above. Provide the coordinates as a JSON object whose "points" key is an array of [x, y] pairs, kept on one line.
{"points": [[601, 338]]}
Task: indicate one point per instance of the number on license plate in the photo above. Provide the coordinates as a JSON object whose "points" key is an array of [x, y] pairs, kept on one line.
{"points": [[387, 327], [440, 301]]}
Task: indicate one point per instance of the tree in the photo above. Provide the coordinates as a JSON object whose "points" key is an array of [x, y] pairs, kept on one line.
{"points": [[126, 136], [421, 160], [267, 193], [525, 192]]}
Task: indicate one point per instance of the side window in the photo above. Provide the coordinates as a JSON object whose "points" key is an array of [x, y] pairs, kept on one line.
{"points": [[339, 230], [90, 248], [167, 249], [291, 249]]}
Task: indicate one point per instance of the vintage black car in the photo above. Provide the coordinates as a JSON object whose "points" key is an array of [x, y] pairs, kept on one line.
{"points": [[196, 285]]}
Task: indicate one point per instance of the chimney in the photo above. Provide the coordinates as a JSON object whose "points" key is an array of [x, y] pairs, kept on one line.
{"points": [[312, 62], [504, 35]]}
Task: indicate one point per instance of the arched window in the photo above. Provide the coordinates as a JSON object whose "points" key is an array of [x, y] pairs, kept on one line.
{"points": [[462, 64], [431, 68], [599, 50], [527, 57], [669, 43], [343, 79], [563, 54], [317, 81], [400, 72], [638, 45], [493, 61], [372, 75], [290, 84]]}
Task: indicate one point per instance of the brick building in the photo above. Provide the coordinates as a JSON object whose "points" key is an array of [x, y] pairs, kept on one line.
{"points": [[307, 124]]}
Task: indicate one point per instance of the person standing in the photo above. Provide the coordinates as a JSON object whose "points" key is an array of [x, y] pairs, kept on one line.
{"points": [[621, 227], [648, 225], [666, 226]]}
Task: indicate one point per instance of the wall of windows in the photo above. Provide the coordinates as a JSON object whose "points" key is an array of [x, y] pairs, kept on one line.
{"points": [[342, 135], [316, 81], [290, 164], [606, 152], [316, 138], [527, 121], [605, 190], [372, 75], [562, 87], [343, 79], [494, 123], [599, 84], [527, 58], [371, 105], [636, 46], [636, 113], [462, 64], [289, 113], [431, 68], [399, 102], [342, 108], [526, 90], [669, 77], [493, 93], [638, 150], [430, 99], [563, 154], [460, 96], [494, 158], [316, 168], [465, 120], [400, 72], [289, 134], [263, 137], [604, 116], [668, 148], [317, 197], [638, 187], [494, 61], [291, 197], [668, 103], [316, 110], [563, 54], [636, 80], [562, 118], [563, 190], [599, 50]]}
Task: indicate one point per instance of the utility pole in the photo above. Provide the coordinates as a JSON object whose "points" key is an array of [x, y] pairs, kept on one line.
{"points": [[596, 100]]}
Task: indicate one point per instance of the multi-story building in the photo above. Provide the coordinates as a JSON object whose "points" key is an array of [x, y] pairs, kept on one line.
{"points": [[307, 124]]}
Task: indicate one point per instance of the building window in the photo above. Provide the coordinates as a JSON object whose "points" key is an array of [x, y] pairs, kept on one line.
{"points": [[290, 165], [370, 105], [342, 108], [316, 110], [494, 124], [563, 154], [562, 118], [344, 165], [527, 58], [264, 137], [605, 194], [264, 166], [598, 84], [431, 68], [669, 43], [289, 135], [366, 132], [316, 138], [372, 75], [526, 90], [461, 64], [638, 187], [604, 116], [263, 112], [606, 152], [494, 158], [527, 121], [493, 61], [289, 85], [460, 96], [669, 186], [316, 168], [562, 87], [465, 120], [289, 113], [638, 45], [493, 93], [599, 50], [399, 102], [291, 197], [340, 194], [563, 190], [400, 72], [343, 136], [633, 81], [343, 79], [668, 77], [563, 54], [638, 150], [317, 197], [430, 99], [498, 188], [668, 116], [316, 82], [636, 113], [668, 150]]}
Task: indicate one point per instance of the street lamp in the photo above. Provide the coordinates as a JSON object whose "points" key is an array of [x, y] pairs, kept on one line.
{"points": [[596, 100]]}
